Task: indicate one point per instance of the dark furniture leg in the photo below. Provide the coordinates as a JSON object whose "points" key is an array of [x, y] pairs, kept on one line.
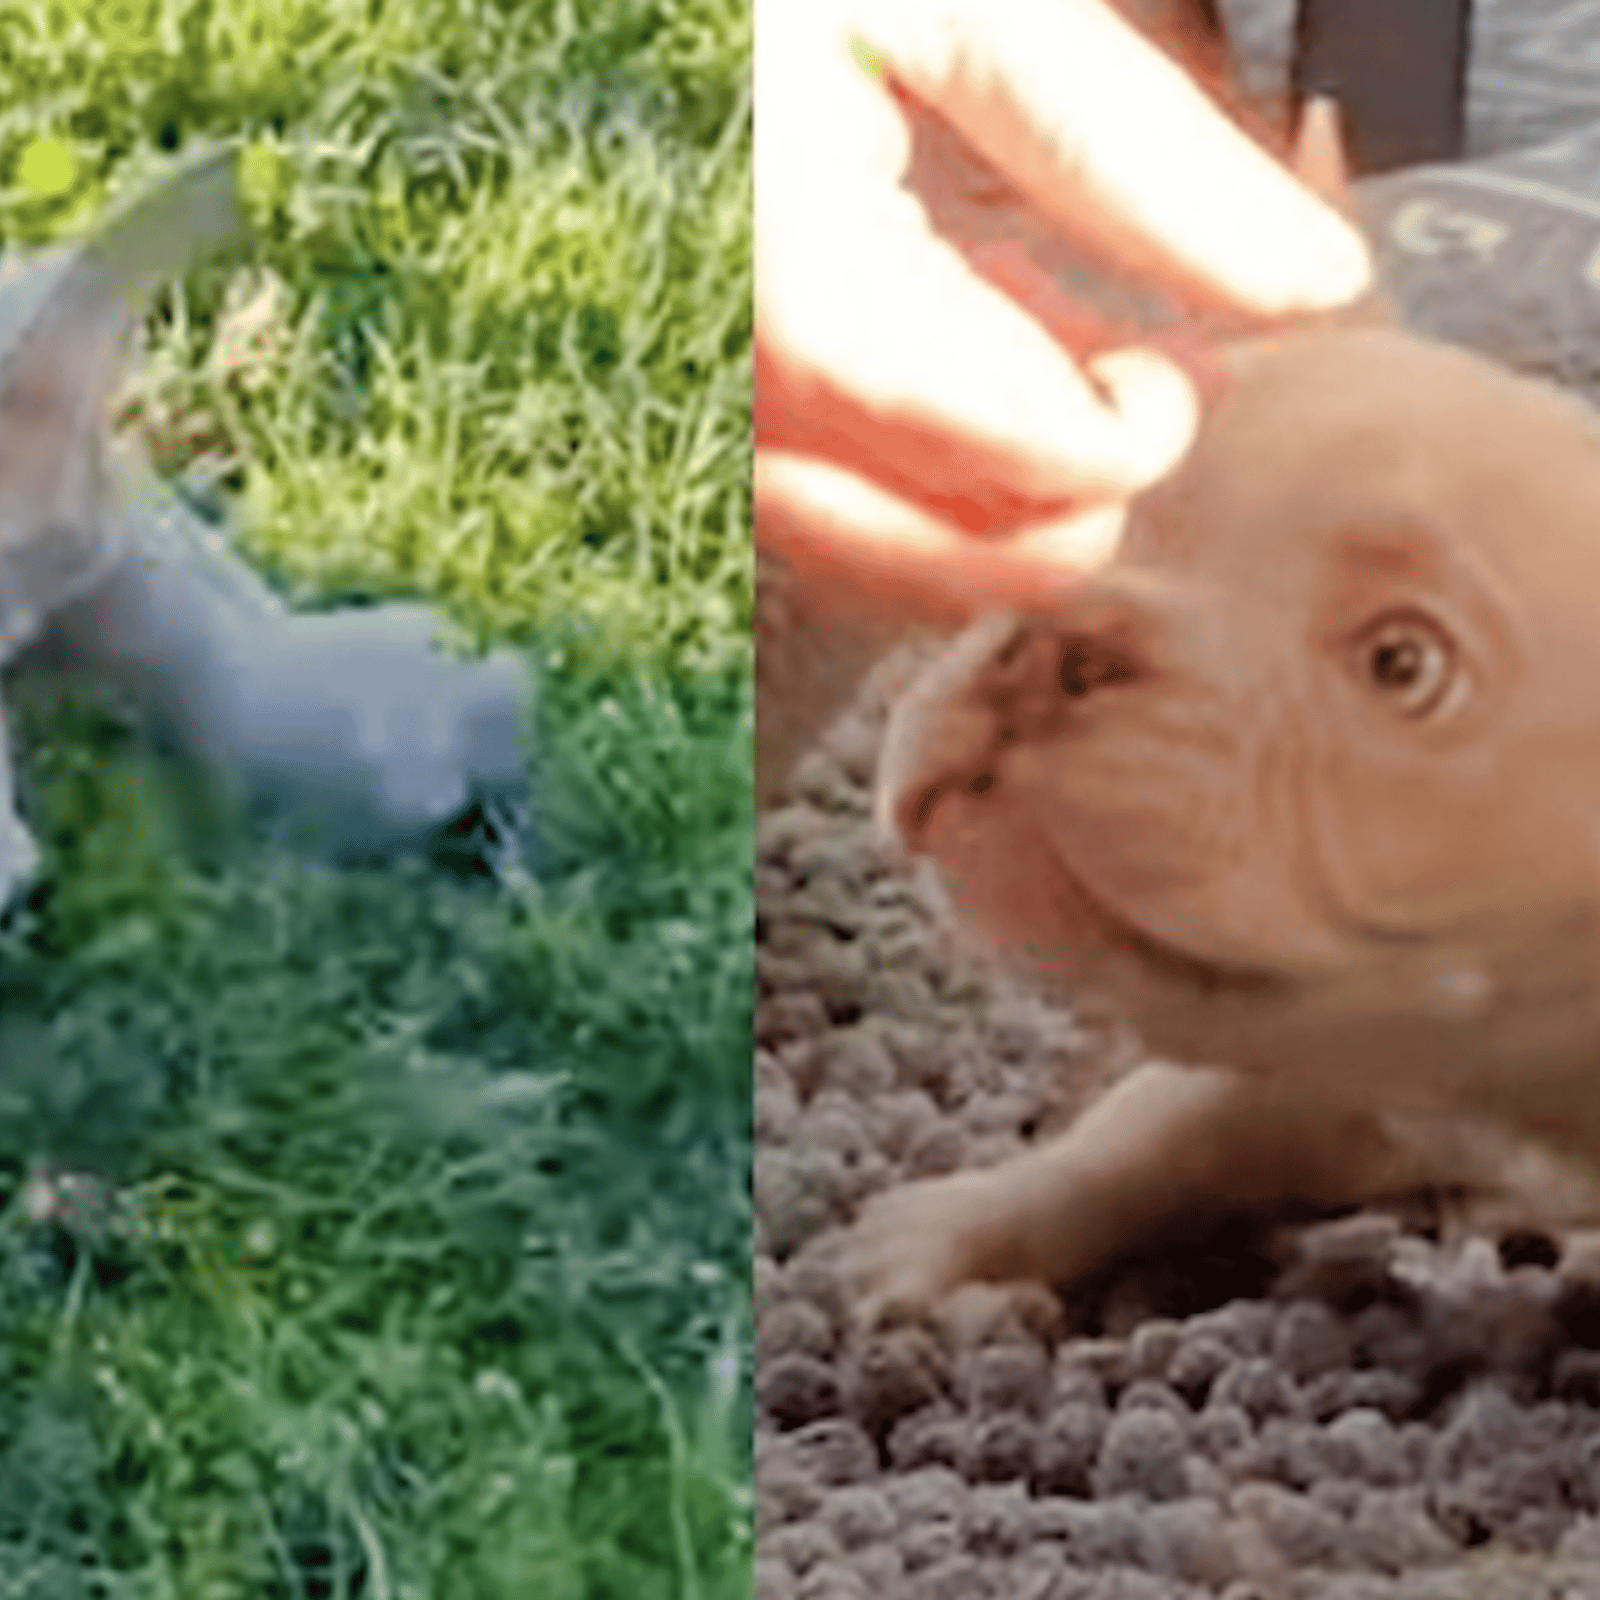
{"points": [[1398, 70]]}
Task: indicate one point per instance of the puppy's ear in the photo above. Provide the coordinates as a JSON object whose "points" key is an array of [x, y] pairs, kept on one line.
{"points": [[1318, 161]]}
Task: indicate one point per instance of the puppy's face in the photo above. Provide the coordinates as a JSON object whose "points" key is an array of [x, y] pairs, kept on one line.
{"points": [[1313, 765]]}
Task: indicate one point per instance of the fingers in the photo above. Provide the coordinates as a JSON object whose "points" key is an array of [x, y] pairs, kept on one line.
{"points": [[873, 328], [902, 334], [905, 400], [874, 544], [1115, 140]]}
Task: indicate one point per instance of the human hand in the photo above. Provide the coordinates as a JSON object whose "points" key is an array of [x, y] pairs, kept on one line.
{"points": [[904, 403]]}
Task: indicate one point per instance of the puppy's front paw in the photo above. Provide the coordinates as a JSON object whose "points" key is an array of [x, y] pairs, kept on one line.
{"points": [[915, 1243]]}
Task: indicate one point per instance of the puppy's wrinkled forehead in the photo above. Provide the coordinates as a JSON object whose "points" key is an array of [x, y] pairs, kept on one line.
{"points": [[1324, 434], [1342, 470]]}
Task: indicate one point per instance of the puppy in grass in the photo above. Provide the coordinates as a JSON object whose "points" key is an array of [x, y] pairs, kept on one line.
{"points": [[1306, 778]]}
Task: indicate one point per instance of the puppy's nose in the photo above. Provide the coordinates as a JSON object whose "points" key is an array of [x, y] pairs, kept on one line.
{"points": [[1004, 682]]}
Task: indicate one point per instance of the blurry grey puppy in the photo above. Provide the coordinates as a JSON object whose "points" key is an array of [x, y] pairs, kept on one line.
{"points": [[350, 726]]}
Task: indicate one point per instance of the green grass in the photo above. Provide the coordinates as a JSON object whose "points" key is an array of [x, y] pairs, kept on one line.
{"points": [[383, 1231]]}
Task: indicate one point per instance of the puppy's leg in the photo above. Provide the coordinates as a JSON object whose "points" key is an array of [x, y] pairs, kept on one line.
{"points": [[1165, 1149]]}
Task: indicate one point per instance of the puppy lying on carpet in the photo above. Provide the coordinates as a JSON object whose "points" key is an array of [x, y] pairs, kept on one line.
{"points": [[1307, 778]]}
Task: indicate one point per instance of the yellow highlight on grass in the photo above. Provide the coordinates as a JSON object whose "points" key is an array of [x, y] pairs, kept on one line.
{"points": [[47, 167], [870, 61], [262, 176]]}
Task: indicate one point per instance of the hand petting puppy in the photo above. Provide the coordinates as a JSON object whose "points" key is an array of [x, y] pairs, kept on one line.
{"points": [[908, 411]]}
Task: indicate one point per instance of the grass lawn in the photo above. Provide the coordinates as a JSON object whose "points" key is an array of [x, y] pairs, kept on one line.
{"points": [[382, 1231]]}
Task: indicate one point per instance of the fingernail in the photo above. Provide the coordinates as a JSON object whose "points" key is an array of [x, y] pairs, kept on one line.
{"points": [[1155, 406], [1325, 265], [1084, 542]]}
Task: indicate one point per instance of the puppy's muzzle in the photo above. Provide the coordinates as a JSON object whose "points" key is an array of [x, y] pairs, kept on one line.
{"points": [[1003, 683]]}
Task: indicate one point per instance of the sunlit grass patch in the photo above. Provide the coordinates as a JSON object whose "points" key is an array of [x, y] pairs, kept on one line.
{"points": [[383, 1231]]}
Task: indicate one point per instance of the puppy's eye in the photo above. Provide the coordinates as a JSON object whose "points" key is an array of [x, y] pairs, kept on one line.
{"points": [[1409, 661]]}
